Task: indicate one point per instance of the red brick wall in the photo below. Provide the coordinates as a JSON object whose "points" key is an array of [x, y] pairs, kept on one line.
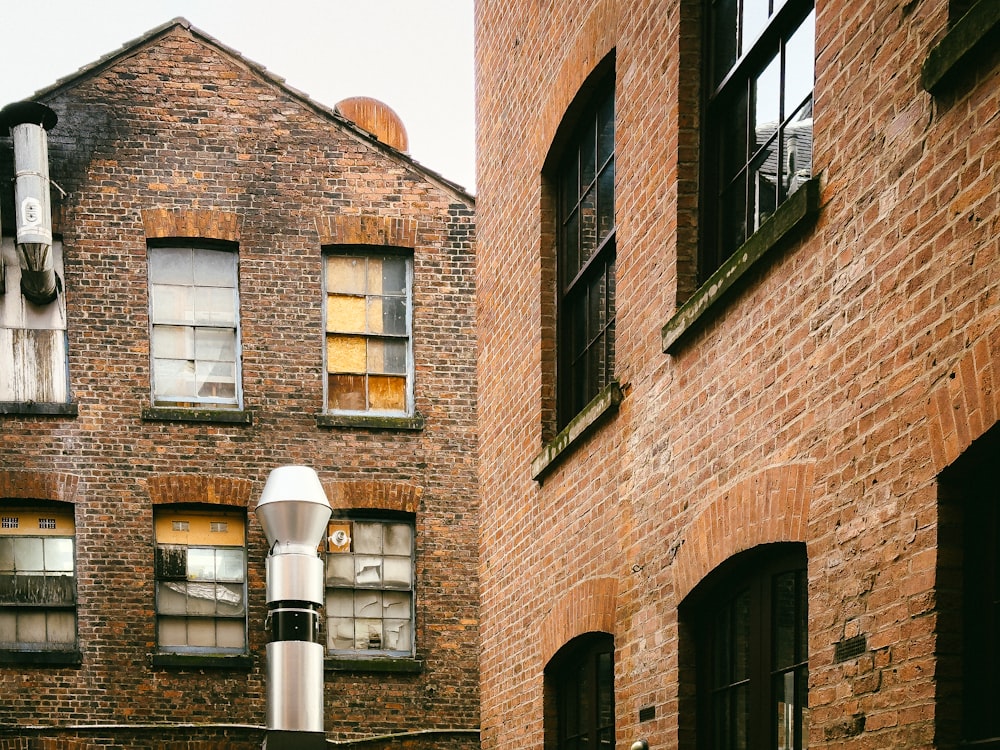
{"points": [[817, 404], [178, 138]]}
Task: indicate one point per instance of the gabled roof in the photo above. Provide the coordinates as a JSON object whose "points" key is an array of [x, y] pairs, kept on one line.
{"points": [[150, 37]]}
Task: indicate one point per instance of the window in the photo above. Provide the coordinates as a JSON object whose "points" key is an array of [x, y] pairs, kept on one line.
{"points": [[369, 588], [200, 582], [585, 237], [758, 148], [37, 579], [368, 345], [969, 593], [194, 327], [751, 638], [581, 698]]}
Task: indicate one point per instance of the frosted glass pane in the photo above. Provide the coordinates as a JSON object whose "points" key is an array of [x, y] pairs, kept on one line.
{"points": [[171, 598], [174, 378], [387, 393], [8, 627], [229, 599], [216, 344], [172, 304], [216, 380], [215, 268], [397, 635], [398, 539], [230, 634], [201, 564], [368, 537], [31, 627], [345, 274], [28, 554], [397, 572], [173, 631], [341, 632], [61, 627], [215, 306], [229, 564], [6, 554], [340, 570], [201, 632], [340, 603], [345, 354], [170, 265], [367, 604], [368, 571], [396, 604], [200, 598], [173, 342], [345, 314], [58, 554], [368, 634]]}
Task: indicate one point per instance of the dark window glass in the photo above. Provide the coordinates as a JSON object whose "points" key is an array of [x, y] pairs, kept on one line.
{"points": [[752, 655], [581, 677], [758, 147], [586, 241]]}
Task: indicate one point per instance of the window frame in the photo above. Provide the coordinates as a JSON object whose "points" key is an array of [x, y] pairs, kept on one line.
{"points": [[60, 513], [574, 682], [576, 386], [753, 573], [332, 548], [722, 92], [177, 401], [369, 252], [171, 513]]}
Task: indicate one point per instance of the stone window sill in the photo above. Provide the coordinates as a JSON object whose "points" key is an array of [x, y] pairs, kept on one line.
{"points": [[221, 416], [390, 665], [40, 408], [960, 46], [799, 208], [603, 404], [46, 658], [370, 422], [203, 661]]}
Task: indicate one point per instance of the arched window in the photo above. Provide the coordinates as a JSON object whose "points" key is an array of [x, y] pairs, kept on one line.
{"points": [[580, 700], [749, 625]]}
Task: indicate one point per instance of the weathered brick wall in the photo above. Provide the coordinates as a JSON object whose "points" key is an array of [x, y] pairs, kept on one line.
{"points": [[180, 137], [817, 405]]}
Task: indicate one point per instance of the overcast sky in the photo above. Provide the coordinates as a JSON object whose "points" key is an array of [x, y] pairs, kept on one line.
{"points": [[414, 55]]}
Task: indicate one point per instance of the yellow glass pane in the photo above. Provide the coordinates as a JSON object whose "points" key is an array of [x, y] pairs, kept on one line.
{"points": [[345, 273], [346, 392], [345, 314], [387, 393], [345, 354]]}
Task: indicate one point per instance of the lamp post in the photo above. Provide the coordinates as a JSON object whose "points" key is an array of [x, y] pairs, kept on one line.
{"points": [[294, 512]]}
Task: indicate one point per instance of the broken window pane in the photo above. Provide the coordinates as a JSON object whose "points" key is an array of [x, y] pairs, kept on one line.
{"points": [[368, 571], [398, 572]]}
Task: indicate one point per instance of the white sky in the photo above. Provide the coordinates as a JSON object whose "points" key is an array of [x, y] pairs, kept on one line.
{"points": [[414, 55]]}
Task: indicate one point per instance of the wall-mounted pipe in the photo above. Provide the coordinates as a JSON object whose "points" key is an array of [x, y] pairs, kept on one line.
{"points": [[28, 123]]}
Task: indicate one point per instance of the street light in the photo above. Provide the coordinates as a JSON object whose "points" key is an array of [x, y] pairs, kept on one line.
{"points": [[294, 512]]}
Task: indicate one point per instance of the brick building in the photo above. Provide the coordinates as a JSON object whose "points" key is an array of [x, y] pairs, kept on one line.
{"points": [[739, 325], [239, 278]]}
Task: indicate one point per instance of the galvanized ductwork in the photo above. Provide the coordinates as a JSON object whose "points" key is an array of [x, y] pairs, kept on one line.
{"points": [[294, 512], [28, 123]]}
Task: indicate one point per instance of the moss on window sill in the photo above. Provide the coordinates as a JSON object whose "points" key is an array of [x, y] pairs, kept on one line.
{"points": [[960, 47], [221, 416], [40, 408], [203, 661], [799, 208], [392, 665], [370, 422], [601, 406], [42, 658]]}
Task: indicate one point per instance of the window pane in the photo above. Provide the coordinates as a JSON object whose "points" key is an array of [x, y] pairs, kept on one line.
{"points": [[341, 633], [216, 380], [340, 603], [398, 539], [588, 154], [230, 633], [755, 14], [215, 268], [201, 564], [229, 599], [174, 378], [368, 537], [340, 570], [214, 306], [172, 631], [393, 276], [345, 274], [201, 598], [31, 627], [387, 356], [28, 554], [396, 604], [368, 571], [8, 627], [387, 393], [346, 354], [172, 304], [388, 315], [201, 632], [797, 158], [725, 37], [61, 627], [229, 564], [398, 572], [800, 54], [169, 265], [367, 604], [346, 392], [6, 553], [569, 245], [733, 146], [767, 100], [171, 598], [368, 634], [345, 314], [215, 344], [606, 202], [173, 342], [397, 635], [58, 554]]}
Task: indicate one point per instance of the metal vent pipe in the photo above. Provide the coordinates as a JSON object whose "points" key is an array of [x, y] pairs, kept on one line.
{"points": [[28, 123], [294, 512]]}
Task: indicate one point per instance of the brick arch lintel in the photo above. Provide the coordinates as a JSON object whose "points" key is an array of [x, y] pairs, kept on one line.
{"points": [[965, 404], [595, 39], [770, 506], [587, 607], [208, 224], [38, 485], [367, 229], [194, 488], [373, 495]]}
